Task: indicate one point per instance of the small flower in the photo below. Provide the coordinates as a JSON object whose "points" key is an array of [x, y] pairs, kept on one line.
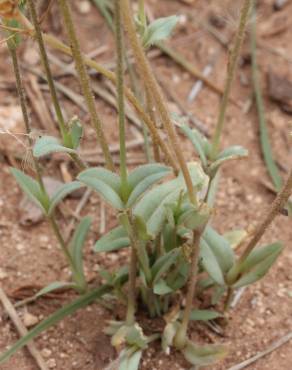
{"points": [[8, 8]]}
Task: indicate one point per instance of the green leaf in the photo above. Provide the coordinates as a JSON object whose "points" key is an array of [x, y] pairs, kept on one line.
{"points": [[204, 315], [194, 218], [76, 131], [141, 173], [235, 237], [31, 189], [204, 355], [231, 153], [200, 143], [161, 288], [145, 184], [105, 182], [55, 286], [135, 337], [77, 243], [130, 361], [53, 319], [159, 30], [49, 144], [116, 239], [210, 263], [220, 248], [258, 263], [164, 263], [62, 192]]}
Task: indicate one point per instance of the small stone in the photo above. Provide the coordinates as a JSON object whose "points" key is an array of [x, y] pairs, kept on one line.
{"points": [[46, 352], [20, 247], [51, 363], [30, 320], [3, 274], [84, 7]]}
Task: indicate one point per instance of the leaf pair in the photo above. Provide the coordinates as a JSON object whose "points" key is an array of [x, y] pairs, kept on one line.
{"points": [[33, 190], [48, 144], [218, 259], [108, 184], [203, 147]]}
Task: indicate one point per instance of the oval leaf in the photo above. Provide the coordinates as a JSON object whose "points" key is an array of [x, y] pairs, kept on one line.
{"points": [[204, 355], [114, 240], [62, 192], [49, 144]]}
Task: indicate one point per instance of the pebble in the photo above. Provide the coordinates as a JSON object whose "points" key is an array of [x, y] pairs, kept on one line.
{"points": [[84, 7], [29, 320], [3, 274], [51, 363], [46, 352]]}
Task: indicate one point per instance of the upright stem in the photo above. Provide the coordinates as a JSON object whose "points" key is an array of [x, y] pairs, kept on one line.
{"points": [[245, 10], [120, 94], [152, 85], [84, 82], [180, 338], [21, 95], [50, 80], [58, 45], [279, 202], [44, 57]]}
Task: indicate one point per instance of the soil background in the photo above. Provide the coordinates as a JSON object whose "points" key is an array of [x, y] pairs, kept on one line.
{"points": [[30, 258]]}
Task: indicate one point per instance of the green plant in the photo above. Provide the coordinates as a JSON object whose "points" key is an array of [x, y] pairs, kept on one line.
{"points": [[163, 212]]}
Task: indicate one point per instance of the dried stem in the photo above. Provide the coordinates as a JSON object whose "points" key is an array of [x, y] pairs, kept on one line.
{"points": [[244, 14], [152, 85], [84, 81]]}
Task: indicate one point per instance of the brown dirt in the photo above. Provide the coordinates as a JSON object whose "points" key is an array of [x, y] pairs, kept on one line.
{"points": [[30, 256]]}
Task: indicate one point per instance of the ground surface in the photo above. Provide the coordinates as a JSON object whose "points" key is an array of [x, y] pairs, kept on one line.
{"points": [[30, 257]]}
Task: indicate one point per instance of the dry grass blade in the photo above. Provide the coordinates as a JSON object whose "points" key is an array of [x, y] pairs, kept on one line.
{"points": [[270, 349], [21, 329]]}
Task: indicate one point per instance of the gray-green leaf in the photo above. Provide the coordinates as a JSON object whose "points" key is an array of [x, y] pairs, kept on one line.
{"points": [[49, 144]]}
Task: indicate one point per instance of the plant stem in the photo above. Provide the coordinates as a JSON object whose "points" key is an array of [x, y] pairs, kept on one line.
{"points": [[48, 72], [131, 308], [21, 94], [120, 102], [58, 45], [51, 84], [244, 14], [150, 107], [279, 202], [152, 85], [84, 82], [180, 338], [22, 98]]}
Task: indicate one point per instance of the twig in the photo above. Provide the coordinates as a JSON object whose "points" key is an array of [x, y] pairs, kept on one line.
{"points": [[40, 107], [270, 349], [114, 148], [237, 297], [21, 329], [76, 213]]}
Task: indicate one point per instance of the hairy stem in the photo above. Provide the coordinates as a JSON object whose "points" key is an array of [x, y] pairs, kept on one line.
{"points": [[22, 98], [180, 338], [51, 84], [152, 85], [244, 14], [279, 202], [58, 45], [84, 82], [120, 95], [48, 72]]}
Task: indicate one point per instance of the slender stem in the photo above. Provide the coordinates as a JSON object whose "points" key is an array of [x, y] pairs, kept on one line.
{"points": [[84, 82], [21, 94], [180, 338], [58, 45], [150, 107], [131, 308], [152, 85], [44, 58], [244, 14], [22, 98], [51, 84], [120, 95], [279, 202]]}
